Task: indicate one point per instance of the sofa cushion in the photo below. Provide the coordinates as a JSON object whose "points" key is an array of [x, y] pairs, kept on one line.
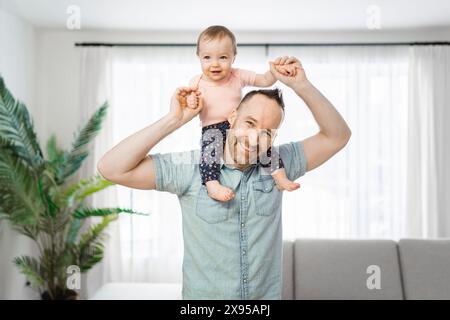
{"points": [[338, 269], [288, 270], [425, 265]]}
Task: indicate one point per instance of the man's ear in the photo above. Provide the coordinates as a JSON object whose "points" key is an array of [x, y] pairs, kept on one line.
{"points": [[232, 117], [274, 134]]}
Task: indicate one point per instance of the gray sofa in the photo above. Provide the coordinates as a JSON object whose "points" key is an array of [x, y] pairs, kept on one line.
{"points": [[340, 269]]}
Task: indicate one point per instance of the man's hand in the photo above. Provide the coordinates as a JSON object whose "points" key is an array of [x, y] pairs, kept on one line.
{"points": [[334, 132], [289, 71], [182, 109], [129, 163]]}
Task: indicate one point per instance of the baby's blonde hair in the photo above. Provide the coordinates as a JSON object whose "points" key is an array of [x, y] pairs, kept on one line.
{"points": [[217, 32]]}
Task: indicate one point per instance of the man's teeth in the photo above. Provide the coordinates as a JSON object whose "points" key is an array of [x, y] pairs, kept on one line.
{"points": [[248, 149]]}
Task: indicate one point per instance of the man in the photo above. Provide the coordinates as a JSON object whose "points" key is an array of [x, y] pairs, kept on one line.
{"points": [[232, 250]]}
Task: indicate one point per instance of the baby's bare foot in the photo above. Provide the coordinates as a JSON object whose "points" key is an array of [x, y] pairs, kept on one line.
{"points": [[218, 191], [282, 181]]}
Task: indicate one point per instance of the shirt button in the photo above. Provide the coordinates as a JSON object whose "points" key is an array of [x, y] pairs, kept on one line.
{"points": [[245, 280], [242, 225], [243, 252]]}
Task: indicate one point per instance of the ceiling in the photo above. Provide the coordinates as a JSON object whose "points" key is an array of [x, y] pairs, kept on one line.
{"points": [[248, 15]]}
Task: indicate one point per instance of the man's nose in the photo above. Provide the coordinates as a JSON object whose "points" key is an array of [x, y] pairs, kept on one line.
{"points": [[252, 137]]}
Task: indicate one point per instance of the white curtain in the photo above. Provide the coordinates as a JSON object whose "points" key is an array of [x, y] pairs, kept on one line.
{"points": [[428, 148], [138, 83], [95, 89], [12, 282], [360, 193]]}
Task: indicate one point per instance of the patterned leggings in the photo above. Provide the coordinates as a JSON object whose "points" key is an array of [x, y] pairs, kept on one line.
{"points": [[213, 144]]}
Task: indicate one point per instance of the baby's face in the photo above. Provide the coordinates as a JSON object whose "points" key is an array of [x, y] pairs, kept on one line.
{"points": [[216, 58]]}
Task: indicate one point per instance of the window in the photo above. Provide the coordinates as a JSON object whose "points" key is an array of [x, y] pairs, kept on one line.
{"points": [[359, 193]]}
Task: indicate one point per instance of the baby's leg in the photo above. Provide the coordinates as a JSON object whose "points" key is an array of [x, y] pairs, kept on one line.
{"points": [[278, 172], [213, 142]]}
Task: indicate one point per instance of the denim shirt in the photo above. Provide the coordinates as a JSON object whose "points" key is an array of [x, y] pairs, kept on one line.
{"points": [[232, 250]]}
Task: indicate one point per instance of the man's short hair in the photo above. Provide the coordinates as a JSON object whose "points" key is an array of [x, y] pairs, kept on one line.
{"points": [[273, 94], [216, 32]]}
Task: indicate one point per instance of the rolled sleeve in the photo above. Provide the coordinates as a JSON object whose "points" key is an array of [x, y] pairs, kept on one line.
{"points": [[173, 171], [294, 159]]}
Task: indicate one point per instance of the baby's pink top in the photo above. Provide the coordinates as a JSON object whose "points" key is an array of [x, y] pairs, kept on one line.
{"points": [[220, 98]]}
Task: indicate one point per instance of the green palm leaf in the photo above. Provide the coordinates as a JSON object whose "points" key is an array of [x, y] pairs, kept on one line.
{"points": [[85, 187], [6, 143], [90, 247], [38, 204], [54, 153], [19, 194], [79, 152], [56, 158], [99, 212], [17, 126], [29, 266], [74, 229]]}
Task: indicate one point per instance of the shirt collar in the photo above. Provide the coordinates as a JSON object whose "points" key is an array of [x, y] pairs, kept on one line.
{"points": [[222, 163]]}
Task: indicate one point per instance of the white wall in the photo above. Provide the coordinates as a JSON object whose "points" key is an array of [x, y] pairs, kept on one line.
{"points": [[17, 62], [17, 55]]}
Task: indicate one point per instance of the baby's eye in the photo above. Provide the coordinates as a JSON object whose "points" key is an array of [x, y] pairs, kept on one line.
{"points": [[206, 57], [224, 57]]}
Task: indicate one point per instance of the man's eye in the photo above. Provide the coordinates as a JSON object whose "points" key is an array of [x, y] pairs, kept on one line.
{"points": [[267, 133]]}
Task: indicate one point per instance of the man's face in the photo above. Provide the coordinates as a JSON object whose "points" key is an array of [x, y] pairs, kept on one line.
{"points": [[252, 129]]}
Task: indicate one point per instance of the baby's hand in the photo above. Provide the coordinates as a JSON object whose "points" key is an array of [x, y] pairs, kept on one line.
{"points": [[286, 66], [190, 97], [288, 70], [193, 100]]}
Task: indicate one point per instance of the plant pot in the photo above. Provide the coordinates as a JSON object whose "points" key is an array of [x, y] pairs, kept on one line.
{"points": [[68, 294]]}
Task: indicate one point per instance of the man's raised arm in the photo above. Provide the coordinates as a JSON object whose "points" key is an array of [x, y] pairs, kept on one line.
{"points": [[334, 132], [127, 163]]}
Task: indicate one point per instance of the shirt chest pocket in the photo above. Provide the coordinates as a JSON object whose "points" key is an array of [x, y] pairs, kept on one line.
{"points": [[266, 196], [210, 210]]}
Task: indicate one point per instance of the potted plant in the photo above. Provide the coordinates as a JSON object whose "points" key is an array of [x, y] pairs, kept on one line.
{"points": [[40, 202]]}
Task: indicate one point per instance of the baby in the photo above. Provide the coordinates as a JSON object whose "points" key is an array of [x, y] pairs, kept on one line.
{"points": [[220, 88]]}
